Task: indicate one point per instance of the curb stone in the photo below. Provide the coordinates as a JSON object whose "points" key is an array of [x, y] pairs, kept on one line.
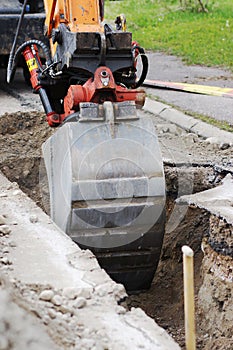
{"points": [[188, 123]]}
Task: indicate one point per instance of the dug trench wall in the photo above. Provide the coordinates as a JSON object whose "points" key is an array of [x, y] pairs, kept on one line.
{"points": [[215, 305]]}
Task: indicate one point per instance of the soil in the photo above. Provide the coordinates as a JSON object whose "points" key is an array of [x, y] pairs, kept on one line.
{"points": [[22, 135], [164, 300]]}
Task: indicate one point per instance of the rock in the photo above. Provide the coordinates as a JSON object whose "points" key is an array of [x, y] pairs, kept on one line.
{"points": [[52, 313], [16, 192], [88, 344], [46, 319], [120, 310], [101, 291], [80, 303], [2, 220], [5, 250], [101, 333], [119, 291], [12, 185], [57, 300], [66, 318], [71, 292], [13, 281], [191, 137], [85, 293], [6, 261], [5, 229], [14, 223], [173, 129], [95, 277], [65, 309], [26, 173], [12, 244], [84, 260], [33, 218], [224, 145], [162, 128], [46, 295], [212, 140]]}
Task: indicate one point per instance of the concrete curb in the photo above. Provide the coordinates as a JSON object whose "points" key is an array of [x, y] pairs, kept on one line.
{"points": [[217, 200], [188, 123]]}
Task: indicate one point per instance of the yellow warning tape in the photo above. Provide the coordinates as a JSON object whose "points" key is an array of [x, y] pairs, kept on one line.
{"points": [[198, 89]]}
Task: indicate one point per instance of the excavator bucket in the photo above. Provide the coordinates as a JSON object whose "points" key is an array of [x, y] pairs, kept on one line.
{"points": [[107, 188]]}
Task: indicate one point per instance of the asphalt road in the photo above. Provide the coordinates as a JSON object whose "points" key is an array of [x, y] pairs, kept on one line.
{"points": [[170, 68]]}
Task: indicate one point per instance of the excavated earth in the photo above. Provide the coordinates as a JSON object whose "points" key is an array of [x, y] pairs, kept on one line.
{"points": [[191, 165]]}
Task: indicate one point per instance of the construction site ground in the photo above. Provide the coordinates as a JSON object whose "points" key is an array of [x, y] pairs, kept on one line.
{"points": [[192, 164]]}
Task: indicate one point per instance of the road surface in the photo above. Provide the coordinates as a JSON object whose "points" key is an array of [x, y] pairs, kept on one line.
{"points": [[170, 68]]}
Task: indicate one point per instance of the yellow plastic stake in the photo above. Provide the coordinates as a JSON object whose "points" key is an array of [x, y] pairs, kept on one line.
{"points": [[189, 310]]}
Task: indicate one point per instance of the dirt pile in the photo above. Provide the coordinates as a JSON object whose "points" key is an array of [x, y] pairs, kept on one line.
{"points": [[22, 135], [19, 330]]}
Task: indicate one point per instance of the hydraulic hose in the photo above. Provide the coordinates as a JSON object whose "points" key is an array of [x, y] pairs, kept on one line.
{"points": [[145, 66], [15, 59]]}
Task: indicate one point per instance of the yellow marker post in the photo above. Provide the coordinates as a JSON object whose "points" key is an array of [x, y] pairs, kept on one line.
{"points": [[189, 309]]}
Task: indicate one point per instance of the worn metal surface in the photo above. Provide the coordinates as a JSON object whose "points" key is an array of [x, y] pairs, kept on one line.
{"points": [[107, 191], [84, 52]]}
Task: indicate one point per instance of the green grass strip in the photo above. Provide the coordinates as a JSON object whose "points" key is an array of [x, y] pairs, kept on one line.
{"points": [[199, 38]]}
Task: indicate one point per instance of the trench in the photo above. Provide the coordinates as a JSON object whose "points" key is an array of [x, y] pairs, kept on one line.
{"points": [[21, 140]]}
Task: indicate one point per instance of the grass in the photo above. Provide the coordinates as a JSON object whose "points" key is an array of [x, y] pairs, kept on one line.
{"points": [[161, 25]]}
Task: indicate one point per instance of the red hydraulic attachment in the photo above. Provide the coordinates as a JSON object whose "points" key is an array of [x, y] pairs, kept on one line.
{"points": [[101, 88], [32, 65], [31, 57]]}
